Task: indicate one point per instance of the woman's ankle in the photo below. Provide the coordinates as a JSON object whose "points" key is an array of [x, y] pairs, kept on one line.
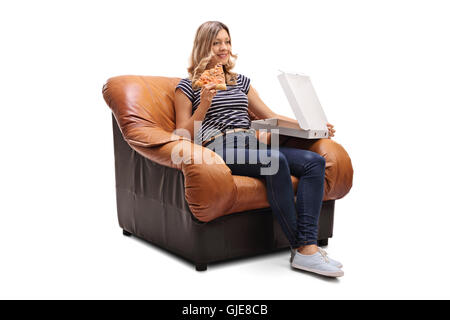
{"points": [[308, 249]]}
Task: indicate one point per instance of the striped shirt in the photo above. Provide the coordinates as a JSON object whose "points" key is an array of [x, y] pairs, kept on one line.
{"points": [[228, 110]]}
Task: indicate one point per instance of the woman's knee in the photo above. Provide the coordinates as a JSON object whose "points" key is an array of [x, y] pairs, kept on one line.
{"points": [[317, 161], [320, 160]]}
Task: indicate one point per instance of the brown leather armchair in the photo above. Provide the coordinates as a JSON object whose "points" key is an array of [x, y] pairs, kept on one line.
{"points": [[199, 211]]}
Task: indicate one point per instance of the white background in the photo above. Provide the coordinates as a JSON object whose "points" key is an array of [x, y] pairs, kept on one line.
{"points": [[380, 68]]}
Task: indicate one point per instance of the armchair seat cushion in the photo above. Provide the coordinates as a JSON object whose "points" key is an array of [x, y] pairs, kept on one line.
{"points": [[251, 193]]}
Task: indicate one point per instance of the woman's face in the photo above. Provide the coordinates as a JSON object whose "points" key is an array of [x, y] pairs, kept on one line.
{"points": [[221, 48]]}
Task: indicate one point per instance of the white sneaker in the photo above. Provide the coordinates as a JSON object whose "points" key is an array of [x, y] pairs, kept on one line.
{"points": [[333, 262], [317, 263]]}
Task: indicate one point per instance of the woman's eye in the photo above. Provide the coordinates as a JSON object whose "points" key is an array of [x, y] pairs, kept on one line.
{"points": [[216, 43]]}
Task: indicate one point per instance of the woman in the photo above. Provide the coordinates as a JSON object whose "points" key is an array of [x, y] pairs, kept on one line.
{"points": [[225, 129]]}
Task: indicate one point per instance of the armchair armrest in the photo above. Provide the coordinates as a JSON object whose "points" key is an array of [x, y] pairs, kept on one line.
{"points": [[210, 190]]}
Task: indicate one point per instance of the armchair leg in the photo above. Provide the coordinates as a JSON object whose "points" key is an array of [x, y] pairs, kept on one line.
{"points": [[201, 266], [126, 233], [322, 242]]}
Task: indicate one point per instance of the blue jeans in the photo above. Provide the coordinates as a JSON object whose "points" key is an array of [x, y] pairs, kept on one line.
{"points": [[298, 220]]}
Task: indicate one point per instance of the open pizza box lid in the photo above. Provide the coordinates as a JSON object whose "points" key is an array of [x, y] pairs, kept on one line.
{"points": [[312, 122]]}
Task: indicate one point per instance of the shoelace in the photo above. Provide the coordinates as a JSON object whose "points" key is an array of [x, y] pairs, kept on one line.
{"points": [[324, 254], [321, 251]]}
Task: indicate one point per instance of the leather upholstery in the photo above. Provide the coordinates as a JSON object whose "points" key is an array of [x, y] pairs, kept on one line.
{"points": [[143, 107]]}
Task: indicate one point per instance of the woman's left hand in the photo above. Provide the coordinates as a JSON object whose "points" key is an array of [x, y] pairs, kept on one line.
{"points": [[331, 131]]}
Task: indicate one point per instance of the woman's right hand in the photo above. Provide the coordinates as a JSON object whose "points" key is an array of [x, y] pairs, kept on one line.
{"points": [[207, 93]]}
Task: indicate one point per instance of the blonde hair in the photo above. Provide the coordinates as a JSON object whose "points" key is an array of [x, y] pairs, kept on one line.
{"points": [[202, 52]]}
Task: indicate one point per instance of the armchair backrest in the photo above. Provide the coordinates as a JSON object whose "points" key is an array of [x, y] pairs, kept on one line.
{"points": [[144, 108]]}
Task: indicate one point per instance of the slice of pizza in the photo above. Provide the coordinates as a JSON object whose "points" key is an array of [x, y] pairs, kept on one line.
{"points": [[214, 75]]}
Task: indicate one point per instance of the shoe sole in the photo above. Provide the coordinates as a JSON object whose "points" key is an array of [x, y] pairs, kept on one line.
{"points": [[323, 273]]}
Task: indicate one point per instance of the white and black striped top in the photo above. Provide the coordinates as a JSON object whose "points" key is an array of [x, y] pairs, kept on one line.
{"points": [[228, 110]]}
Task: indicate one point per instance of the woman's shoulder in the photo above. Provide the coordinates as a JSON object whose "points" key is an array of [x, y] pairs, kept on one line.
{"points": [[185, 83], [243, 82], [242, 77]]}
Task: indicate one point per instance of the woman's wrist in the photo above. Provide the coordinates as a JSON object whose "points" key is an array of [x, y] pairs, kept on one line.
{"points": [[205, 104]]}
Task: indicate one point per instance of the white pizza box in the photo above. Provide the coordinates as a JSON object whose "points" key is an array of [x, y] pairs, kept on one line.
{"points": [[311, 119]]}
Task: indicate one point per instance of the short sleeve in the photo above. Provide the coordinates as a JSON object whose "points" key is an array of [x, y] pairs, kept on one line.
{"points": [[244, 83], [186, 86]]}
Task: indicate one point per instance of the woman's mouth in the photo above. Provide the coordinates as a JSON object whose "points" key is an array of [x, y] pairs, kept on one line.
{"points": [[223, 56]]}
